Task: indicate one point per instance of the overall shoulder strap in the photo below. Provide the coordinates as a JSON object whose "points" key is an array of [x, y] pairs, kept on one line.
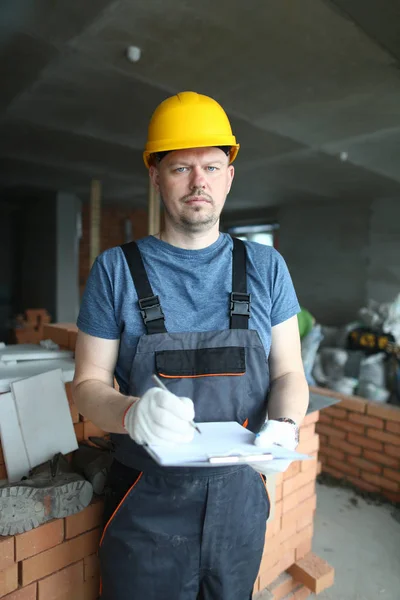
{"points": [[149, 304], [240, 299]]}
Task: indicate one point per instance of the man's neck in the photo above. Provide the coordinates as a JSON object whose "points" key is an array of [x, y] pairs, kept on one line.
{"points": [[187, 240]]}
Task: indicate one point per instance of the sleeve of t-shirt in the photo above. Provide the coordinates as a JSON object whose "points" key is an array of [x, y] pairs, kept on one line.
{"points": [[284, 299], [96, 316]]}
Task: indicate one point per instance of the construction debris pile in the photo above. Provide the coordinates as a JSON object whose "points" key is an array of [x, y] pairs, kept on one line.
{"points": [[362, 358], [37, 434]]}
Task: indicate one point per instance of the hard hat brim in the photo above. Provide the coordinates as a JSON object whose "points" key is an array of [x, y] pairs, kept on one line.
{"points": [[185, 145]]}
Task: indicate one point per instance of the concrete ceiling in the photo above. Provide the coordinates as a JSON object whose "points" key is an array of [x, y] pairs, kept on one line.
{"points": [[303, 81]]}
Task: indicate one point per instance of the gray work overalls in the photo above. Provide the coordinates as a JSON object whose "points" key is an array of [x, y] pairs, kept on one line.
{"points": [[189, 533]]}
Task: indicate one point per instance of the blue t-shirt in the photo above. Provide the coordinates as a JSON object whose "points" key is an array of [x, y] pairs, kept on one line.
{"points": [[194, 288]]}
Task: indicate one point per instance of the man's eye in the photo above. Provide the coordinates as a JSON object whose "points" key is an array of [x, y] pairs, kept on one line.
{"points": [[211, 169], [180, 169]]}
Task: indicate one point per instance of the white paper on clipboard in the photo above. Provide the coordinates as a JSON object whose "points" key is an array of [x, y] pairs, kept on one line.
{"points": [[227, 439]]}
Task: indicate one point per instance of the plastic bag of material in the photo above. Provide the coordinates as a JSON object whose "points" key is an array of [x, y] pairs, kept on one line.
{"points": [[370, 391], [372, 381], [330, 370], [373, 370], [318, 373], [373, 315], [391, 324], [383, 316], [345, 385], [309, 348], [333, 361]]}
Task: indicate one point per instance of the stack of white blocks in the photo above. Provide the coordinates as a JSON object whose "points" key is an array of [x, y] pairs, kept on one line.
{"points": [[35, 419]]}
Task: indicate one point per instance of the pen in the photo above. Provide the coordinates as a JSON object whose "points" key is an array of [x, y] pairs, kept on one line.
{"points": [[164, 387]]}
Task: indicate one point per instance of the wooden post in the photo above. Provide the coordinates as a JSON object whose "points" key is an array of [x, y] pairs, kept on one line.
{"points": [[95, 218], [154, 210]]}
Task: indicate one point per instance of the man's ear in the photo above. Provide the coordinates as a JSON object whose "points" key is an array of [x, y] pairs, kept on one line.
{"points": [[154, 177], [231, 171]]}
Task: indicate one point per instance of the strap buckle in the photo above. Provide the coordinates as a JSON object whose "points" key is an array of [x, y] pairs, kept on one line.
{"points": [[240, 304], [150, 309]]}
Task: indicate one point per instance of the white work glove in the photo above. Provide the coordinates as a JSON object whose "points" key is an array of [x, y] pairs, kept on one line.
{"points": [[280, 433], [160, 417]]}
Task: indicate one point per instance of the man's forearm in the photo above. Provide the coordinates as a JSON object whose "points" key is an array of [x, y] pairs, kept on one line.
{"points": [[101, 404], [289, 397]]}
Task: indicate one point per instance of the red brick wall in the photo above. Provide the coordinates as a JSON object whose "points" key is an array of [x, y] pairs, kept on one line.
{"points": [[56, 561], [112, 232], [360, 442], [289, 534]]}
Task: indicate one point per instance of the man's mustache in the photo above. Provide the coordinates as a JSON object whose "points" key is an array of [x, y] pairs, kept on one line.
{"points": [[197, 194]]}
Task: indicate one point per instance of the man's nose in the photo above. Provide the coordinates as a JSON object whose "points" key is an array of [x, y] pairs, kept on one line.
{"points": [[197, 179]]}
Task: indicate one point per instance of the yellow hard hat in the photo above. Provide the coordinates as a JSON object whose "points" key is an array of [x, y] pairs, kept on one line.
{"points": [[189, 120]]}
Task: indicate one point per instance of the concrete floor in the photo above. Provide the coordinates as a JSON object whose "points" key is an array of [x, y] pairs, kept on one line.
{"points": [[362, 542]]}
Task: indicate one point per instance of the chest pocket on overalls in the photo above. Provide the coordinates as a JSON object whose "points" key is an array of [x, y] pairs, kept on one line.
{"points": [[202, 362], [213, 377]]}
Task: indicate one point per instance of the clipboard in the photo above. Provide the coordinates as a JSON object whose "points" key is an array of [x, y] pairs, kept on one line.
{"points": [[220, 444]]}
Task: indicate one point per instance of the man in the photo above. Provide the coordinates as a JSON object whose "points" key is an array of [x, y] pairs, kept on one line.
{"points": [[177, 305]]}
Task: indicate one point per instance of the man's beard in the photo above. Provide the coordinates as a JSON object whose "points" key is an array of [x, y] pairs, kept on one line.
{"points": [[189, 221], [196, 225]]}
